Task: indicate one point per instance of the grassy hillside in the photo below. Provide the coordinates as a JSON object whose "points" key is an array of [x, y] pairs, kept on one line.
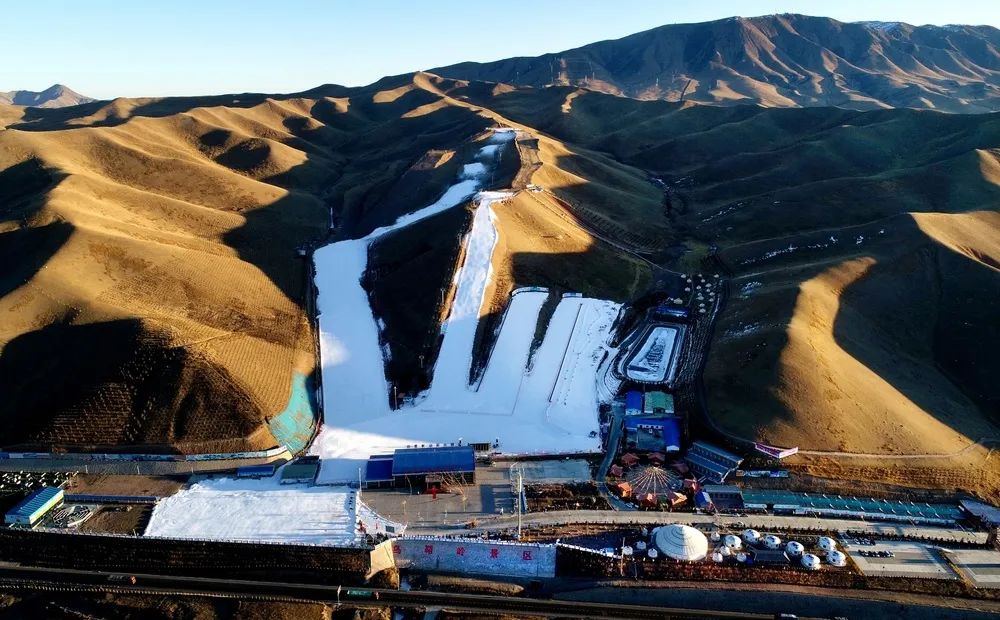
{"points": [[863, 249], [157, 300]]}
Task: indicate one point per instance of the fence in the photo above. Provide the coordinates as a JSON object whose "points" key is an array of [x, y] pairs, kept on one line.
{"points": [[457, 555]]}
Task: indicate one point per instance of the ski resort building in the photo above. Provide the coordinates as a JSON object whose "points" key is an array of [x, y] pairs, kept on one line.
{"points": [[633, 403], [658, 403], [32, 508], [422, 467], [711, 462], [725, 496], [302, 470], [653, 434]]}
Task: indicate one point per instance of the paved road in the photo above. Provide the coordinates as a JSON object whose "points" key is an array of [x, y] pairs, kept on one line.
{"points": [[142, 468], [761, 522], [614, 436]]}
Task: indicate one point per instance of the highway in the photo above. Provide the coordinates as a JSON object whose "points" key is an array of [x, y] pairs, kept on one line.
{"points": [[64, 580]]}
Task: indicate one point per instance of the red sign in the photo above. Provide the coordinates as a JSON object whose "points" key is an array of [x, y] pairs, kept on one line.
{"points": [[494, 553], [428, 549], [396, 550], [526, 555], [460, 551]]}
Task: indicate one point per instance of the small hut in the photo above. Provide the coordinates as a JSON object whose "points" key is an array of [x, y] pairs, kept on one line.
{"points": [[624, 489], [616, 471], [657, 458], [629, 459]]}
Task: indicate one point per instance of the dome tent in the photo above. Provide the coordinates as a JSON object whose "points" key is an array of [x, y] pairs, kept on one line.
{"points": [[794, 548], [827, 544], [810, 561], [836, 558], [681, 542], [772, 541], [732, 541]]}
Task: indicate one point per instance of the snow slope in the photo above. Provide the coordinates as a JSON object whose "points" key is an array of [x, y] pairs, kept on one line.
{"points": [[258, 510], [550, 409], [653, 360]]}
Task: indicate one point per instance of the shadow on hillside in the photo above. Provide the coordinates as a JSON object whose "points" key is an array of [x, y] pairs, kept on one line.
{"points": [[111, 385], [26, 250], [916, 320]]}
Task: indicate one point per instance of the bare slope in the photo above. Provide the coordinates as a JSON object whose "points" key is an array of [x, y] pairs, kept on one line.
{"points": [[55, 96], [777, 61], [156, 299], [864, 251]]}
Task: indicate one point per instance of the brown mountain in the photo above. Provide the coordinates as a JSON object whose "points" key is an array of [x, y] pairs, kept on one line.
{"points": [[157, 300], [55, 96], [777, 61]]}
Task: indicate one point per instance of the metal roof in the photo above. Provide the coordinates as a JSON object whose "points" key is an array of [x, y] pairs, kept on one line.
{"points": [[633, 400], [660, 400], [723, 489], [379, 469], [724, 454], [299, 470], [255, 470], [987, 513], [447, 459], [36, 500], [703, 462]]}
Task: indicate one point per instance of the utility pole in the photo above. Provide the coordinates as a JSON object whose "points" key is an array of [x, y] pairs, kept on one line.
{"points": [[520, 493]]}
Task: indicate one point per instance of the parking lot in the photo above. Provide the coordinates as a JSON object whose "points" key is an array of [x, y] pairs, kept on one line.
{"points": [[907, 559], [552, 471], [981, 567]]}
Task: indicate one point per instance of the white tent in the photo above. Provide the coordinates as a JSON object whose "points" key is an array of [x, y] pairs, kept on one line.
{"points": [[836, 558], [731, 541], [794, 548], [681, 542], [827, 544], [810, 561], [751, 536], [772, 541]]}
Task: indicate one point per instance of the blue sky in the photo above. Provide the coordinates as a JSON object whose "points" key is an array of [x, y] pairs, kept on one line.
{"points": [[179, 47]]}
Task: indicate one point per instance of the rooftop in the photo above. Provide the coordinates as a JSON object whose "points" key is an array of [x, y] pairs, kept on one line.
{"points": [[35, 500], [413, 461]]}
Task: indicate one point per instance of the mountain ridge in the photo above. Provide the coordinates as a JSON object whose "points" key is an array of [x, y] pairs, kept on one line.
{"points": [[784, 60], [55, 96]]}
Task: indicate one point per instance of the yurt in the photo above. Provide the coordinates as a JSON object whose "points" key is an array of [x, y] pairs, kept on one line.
{"points": [[725, 551], [717, 557], [741, 557], [640, 545], [836, 558], [731, 541], [794, 549], [826, 543], [772, 542], [653, 553], [681, 542], [715, 536], [810, 561], [751, 536]]}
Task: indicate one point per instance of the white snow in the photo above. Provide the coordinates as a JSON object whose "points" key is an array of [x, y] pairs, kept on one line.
{"points": [[258, 510], [655, 357], [550, 409]]}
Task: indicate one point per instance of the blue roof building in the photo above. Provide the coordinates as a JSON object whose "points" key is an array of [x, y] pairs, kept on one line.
{"points": [[654, 433], [435, 465], [633, 403], [378, 471], [35, 506]]}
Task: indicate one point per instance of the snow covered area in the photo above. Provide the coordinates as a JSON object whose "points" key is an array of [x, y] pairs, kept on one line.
{"points": [[551, 408], [258, 510], [655, 357]]}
